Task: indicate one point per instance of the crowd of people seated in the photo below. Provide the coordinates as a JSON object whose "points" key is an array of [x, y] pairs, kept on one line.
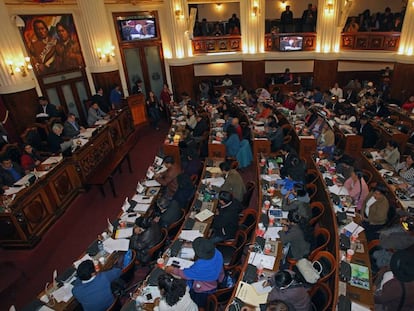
{"points": [[369, 21]]}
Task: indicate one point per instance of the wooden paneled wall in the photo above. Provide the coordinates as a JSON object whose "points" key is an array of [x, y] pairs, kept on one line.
{"points": [[106, 80], [253, 75], [183, 81], [402, 85]]}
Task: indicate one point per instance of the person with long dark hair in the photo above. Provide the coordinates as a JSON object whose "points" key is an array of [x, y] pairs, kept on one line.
{"points": [[175, 295], [357, 188], [153, 107]]}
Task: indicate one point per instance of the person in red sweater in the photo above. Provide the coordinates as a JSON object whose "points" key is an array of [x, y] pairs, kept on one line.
{"points": [[30, 158], [409, 104]]}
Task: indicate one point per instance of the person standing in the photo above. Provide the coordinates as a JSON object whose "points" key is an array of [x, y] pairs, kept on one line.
{"points": [[166, 99], [101, 100], [116, 97], [153, 107], [234, 25], [46, 110], [286, 20], [309, 18]]}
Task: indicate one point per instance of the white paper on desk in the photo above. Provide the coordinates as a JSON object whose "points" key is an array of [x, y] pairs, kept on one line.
{"points": [[79, 261], [101, 122], [52, 160], [190, 235], [375, 155], [42, 115], [129, 217], [161, 169], [183, 263], [218, 181], [338, 190], [204, 215], [150, 174], [79, 142], [216, 142], [267, 261], [153, 290], [213, 170], [354, 228], [270, 178], [386, 172], [111, 245], [152, 183], [357, 307], [144, 199], [13, 190], [63, 293], [45, 308], [124, 233], [88, 132], [259, 128], [24, 180], [246, 293], [126, 205], [158, 160], [141, 208], [272, 233], [260, 290], [187, 253]]}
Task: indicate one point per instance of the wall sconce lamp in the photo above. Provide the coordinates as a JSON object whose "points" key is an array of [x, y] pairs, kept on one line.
{"points": [[22, 67], [178, 14], [329, 8], [283, 4], [106, 53], [255, 10], [218, 6]]}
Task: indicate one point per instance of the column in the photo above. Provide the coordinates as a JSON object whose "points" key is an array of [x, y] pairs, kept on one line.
{"points": [[407, 35], [253, 13], [327, 28], [12, 53]]}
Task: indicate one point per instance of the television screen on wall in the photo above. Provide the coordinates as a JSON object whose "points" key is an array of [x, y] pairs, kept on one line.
{"points": [[133, 28], [290, 43]]}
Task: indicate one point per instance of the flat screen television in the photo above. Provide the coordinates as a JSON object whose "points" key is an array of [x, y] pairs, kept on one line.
{"points": [[133, 28], [290, 43]]}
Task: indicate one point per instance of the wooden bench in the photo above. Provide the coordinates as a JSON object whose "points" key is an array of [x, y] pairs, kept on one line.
{"points": [[106, 170]]}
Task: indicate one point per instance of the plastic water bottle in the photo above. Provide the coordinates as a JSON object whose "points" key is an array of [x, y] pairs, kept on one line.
{"points": [[100, 244]]}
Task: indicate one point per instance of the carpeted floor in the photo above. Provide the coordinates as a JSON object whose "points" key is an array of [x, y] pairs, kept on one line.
{"points": [[86, 217]]}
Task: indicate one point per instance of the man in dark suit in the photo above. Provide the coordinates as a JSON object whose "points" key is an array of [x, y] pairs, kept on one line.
{"points": [[93, 290], [10, 172], [71, 128], [365, 129], [48, 110], [55, 141], [101, 100]]}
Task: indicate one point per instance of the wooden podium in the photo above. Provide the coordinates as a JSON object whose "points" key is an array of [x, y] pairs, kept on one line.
{"points": [[138, 109]]}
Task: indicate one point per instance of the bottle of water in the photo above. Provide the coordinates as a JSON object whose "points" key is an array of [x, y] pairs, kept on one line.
{"points": [[100, 244]]}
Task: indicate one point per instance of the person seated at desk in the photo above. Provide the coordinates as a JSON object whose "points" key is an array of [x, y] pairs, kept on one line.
{"points": [[232, 142], [45, 110], [394, 286], [390, 153], [297, 200], [275, 135], [379, 108], [316, 127], [264, 111], [167, 212], [226, 221], [409, 104], [374, 212], [296, 236], [300, 109], [101, 100], [344, 163], [95, 114], [337, 91], [357, 188], [93, 290], [287, 77], [290, 102], [10, 172], [227, 81], [30, 158], [366, 130], [233, 182], [293, 167], [191, 164], [326, 140], [147, 234], [168, 179], [406, 169], [71, 128], [55, 141], [191, 119], [200, 128], [346, 115], [287, 289], [206, 272], [175, 295], [185, 189]]}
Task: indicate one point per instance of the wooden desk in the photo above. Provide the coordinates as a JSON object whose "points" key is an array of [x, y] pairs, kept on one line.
{"points": [[389, 132], [138, 108], [350, 143]]}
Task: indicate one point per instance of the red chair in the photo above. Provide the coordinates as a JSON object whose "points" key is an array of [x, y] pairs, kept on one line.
{"points": [[317, 211], [232, 250], [321, 297], [248, 221], [322, 238]]}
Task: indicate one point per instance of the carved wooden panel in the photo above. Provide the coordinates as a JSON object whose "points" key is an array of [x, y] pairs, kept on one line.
{"points": [[126, 123], [92, 159], [361, 43], [183, 77], [371, 41], [216, 44], [116, 135], [35, 212]]}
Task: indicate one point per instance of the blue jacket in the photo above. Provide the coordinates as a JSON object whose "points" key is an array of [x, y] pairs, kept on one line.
{"points": [[96, 295], [232, 145]]}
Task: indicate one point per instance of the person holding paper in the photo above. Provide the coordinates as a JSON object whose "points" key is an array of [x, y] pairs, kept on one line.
{"points": [[168, 179], [93, 290], [374, 212], [288, 290], [175, 295], [146, 235], [206, 272], [233, 182], [226, 221]]}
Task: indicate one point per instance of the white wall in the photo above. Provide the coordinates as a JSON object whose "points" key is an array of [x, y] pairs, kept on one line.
{"points": [[218, 69]]}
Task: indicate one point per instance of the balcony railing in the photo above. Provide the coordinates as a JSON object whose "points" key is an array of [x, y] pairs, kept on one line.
{"points": [[385, 41], [217, 44]]}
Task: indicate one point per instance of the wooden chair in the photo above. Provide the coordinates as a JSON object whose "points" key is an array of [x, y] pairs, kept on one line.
{"points": [[116, 305], [212, 303], [127, 273], [156, 249], [367, 175], [311, 190], [250, 186], [312, 176], [317, 211], [247, 222], [328, 263], [32, 137], [223, 295], [231, 250], [321, 297], [322, 238], [11, 151], [174, 227]]}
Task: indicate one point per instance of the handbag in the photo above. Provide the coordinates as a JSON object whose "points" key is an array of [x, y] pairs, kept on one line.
{"points": [[308, 269]]}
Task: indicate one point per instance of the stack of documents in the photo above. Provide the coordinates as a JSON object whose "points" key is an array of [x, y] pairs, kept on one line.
{"points": [[124, 233], [218, 182], [190, 235], [111, 245]]}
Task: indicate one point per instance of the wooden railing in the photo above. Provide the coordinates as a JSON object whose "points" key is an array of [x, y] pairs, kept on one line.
{"points": [[388, 41], [217, 44]]}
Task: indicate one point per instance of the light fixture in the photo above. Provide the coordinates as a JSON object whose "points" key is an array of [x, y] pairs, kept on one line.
{"points": [[283, 4], [218, 6], [22, 67], [255, 10], [106, 53], [329, 7]]}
